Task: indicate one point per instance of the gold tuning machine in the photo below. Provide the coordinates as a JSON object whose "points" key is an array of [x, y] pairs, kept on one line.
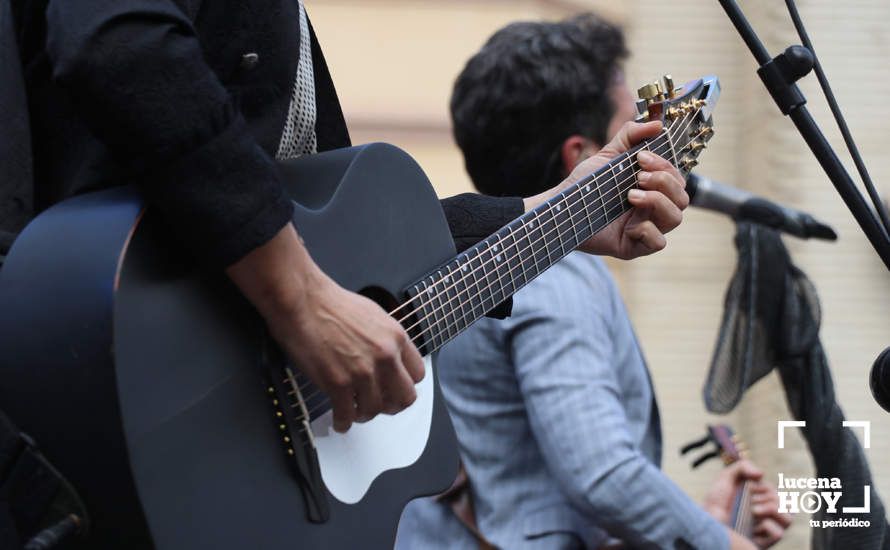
{"points": [[649, 92], [688, 163], [696, 146], [669, 86]]}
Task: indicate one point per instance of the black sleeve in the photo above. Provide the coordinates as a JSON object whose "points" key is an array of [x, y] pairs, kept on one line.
{"points": [[472, 217], [136, 72]]}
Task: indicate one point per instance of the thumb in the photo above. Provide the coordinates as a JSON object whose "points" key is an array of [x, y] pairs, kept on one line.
{"points": [[630, 134]]}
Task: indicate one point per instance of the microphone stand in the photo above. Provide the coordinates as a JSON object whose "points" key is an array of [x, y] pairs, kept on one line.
{"points": [[780, 75]]}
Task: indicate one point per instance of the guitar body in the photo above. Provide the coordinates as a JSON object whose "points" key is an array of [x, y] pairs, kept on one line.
{"points": [[143, 377]]}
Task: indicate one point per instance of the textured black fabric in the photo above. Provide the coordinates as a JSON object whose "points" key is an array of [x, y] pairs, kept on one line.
{"points": [[16, 188], [156, 93], [473, 217], [771, 319]]}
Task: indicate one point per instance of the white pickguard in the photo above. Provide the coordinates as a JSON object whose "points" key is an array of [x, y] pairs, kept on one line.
{"points": [[351, 461]]}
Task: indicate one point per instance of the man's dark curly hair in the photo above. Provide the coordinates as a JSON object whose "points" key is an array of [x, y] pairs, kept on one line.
{"points": [[532, 85]]}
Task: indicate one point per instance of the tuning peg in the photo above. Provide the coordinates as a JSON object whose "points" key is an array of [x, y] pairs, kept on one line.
{"points": [[702, 131], [657, 85], [696, 146], [669, 85], [649, 92], [688, 163]]}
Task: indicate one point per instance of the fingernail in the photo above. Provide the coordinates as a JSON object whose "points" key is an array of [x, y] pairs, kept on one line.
{"points": [[644, 176], [636, 194], [645, 156]]}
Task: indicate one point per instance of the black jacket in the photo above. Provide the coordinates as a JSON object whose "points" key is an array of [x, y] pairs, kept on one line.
{"points": [[161, 93]]}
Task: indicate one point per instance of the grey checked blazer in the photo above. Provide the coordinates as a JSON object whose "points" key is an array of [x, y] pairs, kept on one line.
{"points": [[559, 428]]}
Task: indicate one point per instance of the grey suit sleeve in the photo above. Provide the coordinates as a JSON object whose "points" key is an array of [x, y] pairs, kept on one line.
{"points": [[561, 346]]}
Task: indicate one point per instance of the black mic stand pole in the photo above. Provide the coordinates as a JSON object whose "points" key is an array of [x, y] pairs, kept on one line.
{"points": [[780, 75]]}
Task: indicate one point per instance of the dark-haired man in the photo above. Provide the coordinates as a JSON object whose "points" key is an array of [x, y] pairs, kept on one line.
{"points": [[554, 408]]}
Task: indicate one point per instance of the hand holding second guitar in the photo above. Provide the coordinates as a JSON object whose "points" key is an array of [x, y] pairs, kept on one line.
{"points": [[768, 524]]}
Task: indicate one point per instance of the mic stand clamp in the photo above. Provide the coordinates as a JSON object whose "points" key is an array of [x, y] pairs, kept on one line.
{"points": [[780, 76]]}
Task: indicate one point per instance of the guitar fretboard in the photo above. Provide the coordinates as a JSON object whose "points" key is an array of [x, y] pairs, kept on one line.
{"points": [[455, 295]]}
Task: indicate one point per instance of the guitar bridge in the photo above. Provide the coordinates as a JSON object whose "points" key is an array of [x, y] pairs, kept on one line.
{"points": [[292, 421]]}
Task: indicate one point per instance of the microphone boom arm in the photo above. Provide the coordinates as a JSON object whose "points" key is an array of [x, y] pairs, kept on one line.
{"points": [[780, 75]]}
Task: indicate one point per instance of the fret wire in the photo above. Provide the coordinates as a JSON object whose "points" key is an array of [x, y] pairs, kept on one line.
{"points": [[584, 196], [578, 213], [445, 286], [571, 216], [616, 176], [528, 238], [478, 289], [556, 221], [486, 274], [542, 239], [507, 263], [460, 280], [497, 254], [437, 302], [431, 315], [450, 296], [520, 260]]}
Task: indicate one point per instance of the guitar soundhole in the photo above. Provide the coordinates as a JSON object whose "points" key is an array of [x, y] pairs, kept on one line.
{"points": [[381, 296]]}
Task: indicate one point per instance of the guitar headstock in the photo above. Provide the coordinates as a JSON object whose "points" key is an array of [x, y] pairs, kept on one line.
{"points": [[685, 111], [726, 445], [729, 445]]}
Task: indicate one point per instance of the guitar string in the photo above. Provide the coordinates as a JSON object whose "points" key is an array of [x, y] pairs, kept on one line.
{"points": [[745, 517], [613, 206], [741, 521], [578, 189]]}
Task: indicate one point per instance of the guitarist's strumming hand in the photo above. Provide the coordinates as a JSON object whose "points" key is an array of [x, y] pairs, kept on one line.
{"points": [[659, 204], [769, 524], [347, 345]]}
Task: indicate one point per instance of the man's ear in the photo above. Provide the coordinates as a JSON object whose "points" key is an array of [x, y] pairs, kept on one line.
{"points": [[574, 149]]}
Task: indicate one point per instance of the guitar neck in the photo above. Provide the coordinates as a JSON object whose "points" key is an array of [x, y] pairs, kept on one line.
{"points": [[454, 296], [741, 520]]}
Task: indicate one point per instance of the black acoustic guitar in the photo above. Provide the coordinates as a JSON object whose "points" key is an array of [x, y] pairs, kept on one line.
{"points": [[155, 388]]}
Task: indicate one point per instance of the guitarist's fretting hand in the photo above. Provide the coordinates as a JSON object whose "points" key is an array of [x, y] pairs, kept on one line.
{"points": [[659, 205], [769, 524], [362, 358]]}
